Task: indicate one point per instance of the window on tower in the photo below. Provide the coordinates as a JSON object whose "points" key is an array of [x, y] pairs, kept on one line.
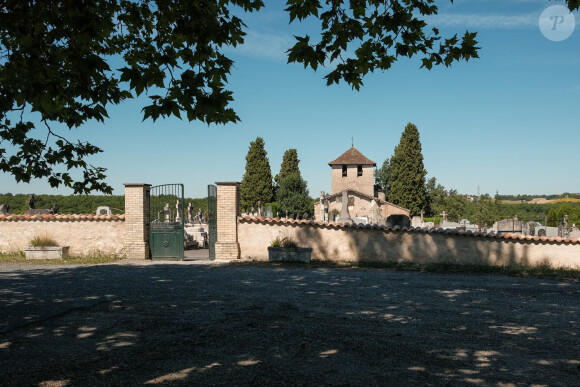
{"points": [[359, 170], [344, 171]]}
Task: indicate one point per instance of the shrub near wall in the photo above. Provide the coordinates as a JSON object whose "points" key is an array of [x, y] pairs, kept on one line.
{"points": [[337, 242], [83, 233]]}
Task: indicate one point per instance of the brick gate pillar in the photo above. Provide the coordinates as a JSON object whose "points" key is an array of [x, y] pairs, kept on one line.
{"points": [[228, 210], [137, 221]]}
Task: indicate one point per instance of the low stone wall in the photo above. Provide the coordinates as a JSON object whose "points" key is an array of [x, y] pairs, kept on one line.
{"points": [[337, 242], [83, 233]]}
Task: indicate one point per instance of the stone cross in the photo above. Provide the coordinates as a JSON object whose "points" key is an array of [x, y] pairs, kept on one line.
{"points": [[344, 215], [443, 217], [375, 214]]}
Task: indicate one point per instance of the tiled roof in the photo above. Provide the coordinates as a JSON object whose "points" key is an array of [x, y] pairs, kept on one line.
{"points": [[352, 157], [62, 218], [477, 234]]}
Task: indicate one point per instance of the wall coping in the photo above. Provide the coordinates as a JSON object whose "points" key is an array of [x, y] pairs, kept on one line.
{"points": [[136, 185], [62, 218], [227, 183], [410, 229]]}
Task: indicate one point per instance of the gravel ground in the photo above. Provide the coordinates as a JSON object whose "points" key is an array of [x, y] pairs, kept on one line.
{"points": [[195, 323]]}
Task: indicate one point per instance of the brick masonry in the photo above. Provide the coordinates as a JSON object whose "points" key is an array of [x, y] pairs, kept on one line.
{"points": [[137, 221], [228, 210]]}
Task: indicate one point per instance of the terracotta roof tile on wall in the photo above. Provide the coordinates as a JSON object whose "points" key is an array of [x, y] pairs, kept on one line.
{"points": [[352, 157], [336, 225]]}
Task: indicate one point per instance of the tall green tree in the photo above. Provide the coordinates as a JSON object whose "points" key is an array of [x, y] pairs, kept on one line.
{"points": [[289, 165], [407, 173], [436, 197], [382, 177], [485, 212], [293, 195], [455, 206], [256, 183]]}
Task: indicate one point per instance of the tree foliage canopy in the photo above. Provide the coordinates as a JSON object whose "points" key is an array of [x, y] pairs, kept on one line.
{"points": [[407, 173], [55, 65], [256, 184], [382, 177]]}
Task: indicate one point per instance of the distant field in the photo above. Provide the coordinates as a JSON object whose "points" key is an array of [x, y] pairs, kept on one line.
{"points": [[565, 200], [542, 201]]}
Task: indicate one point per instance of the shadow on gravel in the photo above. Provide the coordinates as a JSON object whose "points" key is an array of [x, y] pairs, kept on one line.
{"points": [[194, 324]]}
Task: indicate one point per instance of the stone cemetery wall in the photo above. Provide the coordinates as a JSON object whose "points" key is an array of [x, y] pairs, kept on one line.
{"points": [[83, 233], [337, 242]]}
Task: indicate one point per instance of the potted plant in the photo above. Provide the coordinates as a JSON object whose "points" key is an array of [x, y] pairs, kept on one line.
{"points": [[286, 249], [45, 247]]}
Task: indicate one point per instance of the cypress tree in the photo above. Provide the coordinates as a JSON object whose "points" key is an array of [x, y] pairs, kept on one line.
{"points": [[289, 164], [293, 196], [407, 173], [256, 184]]}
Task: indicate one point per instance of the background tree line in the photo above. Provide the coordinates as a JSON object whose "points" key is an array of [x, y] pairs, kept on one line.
{"points": [[80, 204]]}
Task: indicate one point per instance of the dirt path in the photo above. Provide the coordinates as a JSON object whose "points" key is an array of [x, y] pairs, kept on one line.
{"points": [[134, 323]]}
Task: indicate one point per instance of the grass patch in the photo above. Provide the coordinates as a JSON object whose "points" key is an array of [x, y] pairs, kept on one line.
{"points": [[539, 271], [92, 258], [43, 241]]}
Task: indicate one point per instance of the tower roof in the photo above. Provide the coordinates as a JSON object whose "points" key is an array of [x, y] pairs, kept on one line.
{"points": [[352, 157]]}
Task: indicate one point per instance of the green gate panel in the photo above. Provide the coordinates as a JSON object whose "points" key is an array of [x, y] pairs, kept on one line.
{"points": [[212, 218], [166, 222]]}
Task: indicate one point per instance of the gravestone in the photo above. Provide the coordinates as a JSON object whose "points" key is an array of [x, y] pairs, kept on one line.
{"points": [[5, 209], [35, 211], [269, 212], [360, 220], [189, 213], [509, 225], [344, 215], [104, 210], [416, 221], [449, 225]]}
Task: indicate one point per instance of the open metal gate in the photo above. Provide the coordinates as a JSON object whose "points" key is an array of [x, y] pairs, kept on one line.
{"points": [[212, 218], [166, 222]]}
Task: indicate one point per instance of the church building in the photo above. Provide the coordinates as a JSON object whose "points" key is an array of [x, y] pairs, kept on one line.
{"points": [[354, 173]]}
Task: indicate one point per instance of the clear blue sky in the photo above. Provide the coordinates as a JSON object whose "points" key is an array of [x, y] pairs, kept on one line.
{"points": [[508, 121]]}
